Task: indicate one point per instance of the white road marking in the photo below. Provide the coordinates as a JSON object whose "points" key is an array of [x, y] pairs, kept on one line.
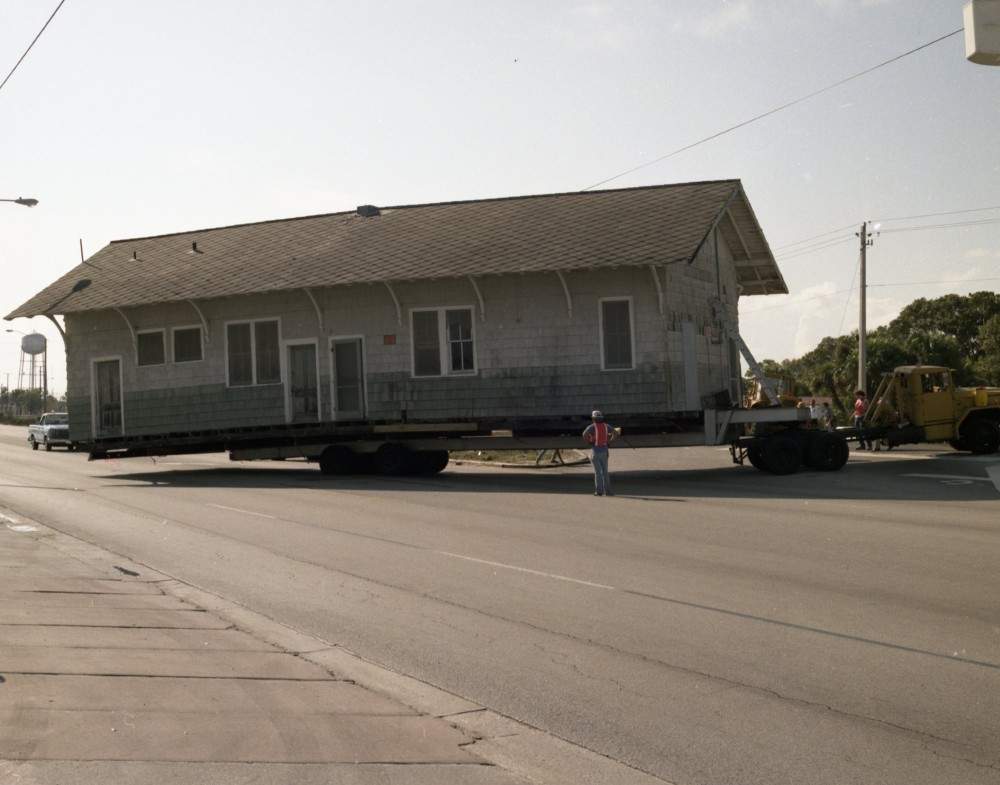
{"points": [[21, 528], [994, 473], [244, 512], [950, 477], [525, 569], [8, 519]]}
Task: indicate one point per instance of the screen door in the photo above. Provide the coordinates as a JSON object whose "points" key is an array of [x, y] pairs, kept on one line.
{"points": [[303, 392], [108, 396], [348, 379]]}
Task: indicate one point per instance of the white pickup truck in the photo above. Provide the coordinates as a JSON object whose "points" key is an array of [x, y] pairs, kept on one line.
{"points": [[50, 430]]}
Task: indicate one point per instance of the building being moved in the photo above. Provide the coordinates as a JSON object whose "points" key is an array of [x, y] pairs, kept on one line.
{"points": [[518, 313]]}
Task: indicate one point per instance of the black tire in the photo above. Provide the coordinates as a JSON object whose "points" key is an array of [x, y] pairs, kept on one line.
{"points": [[959, 444], [982, 437], [429, 462], [756, 458], [827, 452], [336, 460], [782, 455], [392, 460], [48, 446], [34, 444]]}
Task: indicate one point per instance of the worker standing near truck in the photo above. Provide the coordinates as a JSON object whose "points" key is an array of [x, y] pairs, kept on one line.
{"points": [[860, 408], [599, 435]]}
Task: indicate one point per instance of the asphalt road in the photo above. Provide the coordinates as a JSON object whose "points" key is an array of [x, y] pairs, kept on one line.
{"points": [[709, 624]]}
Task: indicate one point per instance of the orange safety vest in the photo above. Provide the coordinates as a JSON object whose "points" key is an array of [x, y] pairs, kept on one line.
{"points": [[600, 438]]}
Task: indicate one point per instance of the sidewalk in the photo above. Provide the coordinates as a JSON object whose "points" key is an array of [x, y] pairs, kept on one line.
{"points": [[108, 676]]}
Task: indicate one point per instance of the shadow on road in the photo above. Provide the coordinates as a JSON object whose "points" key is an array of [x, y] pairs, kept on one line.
{"points": [[881, 481]]}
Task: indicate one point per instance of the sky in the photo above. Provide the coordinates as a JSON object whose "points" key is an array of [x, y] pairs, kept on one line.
{"points": [[131, 119]]}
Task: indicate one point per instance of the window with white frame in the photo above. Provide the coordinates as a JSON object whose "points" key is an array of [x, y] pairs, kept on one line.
{"points": [[149, 348], [443, 341], [252, 352], [616, 333], [187, 344]]}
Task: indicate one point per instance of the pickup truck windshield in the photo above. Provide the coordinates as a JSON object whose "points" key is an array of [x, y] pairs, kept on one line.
{"points": [[55, 419]]}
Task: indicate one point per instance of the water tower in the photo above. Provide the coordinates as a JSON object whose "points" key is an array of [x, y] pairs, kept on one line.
{"points": [[34, 368]]}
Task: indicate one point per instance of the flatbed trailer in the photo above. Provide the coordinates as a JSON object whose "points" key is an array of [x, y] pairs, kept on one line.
{"points": [[774, 439]]}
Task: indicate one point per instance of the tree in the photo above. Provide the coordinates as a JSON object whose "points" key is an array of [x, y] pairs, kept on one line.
{"points": [[987, 367]]}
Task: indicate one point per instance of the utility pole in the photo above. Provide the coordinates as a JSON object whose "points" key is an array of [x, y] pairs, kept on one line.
{"points": [[863, 312]]}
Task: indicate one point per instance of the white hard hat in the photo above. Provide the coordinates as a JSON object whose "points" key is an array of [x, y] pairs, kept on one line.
{"points": [[596, 415]]}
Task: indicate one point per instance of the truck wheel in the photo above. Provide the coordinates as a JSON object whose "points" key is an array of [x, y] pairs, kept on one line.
{"points": [[958, 444], [48, 447], [336, 460], [982, 437], [34, 444], [827, 452], [782, 455], [429, 462], [392, 460]]}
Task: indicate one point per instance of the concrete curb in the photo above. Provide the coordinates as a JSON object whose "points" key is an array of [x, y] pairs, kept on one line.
{"points": [[517, 748]]}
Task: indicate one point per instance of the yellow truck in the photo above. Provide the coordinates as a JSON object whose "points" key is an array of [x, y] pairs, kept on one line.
{"points": [[921, 403]]}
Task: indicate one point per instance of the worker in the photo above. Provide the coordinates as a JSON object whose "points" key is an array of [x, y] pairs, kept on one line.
{"points": [[860, 408], [599, 435], [815, 411], [826, 417]]}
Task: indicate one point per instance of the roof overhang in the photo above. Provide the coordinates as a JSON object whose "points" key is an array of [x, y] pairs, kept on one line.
{"points": [[756, 269]]}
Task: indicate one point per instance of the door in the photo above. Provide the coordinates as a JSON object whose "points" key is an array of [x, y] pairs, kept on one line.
{"points": [[348, 379], [936, 405], [303, 389], [108, 397]]}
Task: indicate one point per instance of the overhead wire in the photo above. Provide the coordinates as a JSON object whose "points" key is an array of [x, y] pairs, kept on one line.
{"points": [[33, 40], [775, 110], [950, 225]]}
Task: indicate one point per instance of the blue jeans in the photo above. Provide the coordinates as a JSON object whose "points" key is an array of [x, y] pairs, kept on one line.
{"points": [[602, 481], [859, 424]]}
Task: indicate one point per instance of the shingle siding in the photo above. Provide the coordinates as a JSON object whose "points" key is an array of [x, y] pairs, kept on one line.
{"points": [[532, 357]]}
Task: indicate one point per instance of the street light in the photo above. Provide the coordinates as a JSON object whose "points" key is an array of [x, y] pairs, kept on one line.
{"points": [[26, 201]]}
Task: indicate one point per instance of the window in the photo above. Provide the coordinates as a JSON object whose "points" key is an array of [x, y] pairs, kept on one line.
{"points": [[187, 344], [265, 341], [252, 353], [149, 348], [443, 342], [616, 334], [459, 323]]}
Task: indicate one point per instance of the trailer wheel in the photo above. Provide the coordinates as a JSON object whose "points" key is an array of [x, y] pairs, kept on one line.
{"points": [[336, 460], [756, 458], [392, 459], [782, 455], [982, 437], [429, 462], [827, 452]]}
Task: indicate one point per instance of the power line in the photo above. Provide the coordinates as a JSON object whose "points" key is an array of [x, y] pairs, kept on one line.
{"points": [[33, 40], [816, 236], [819, 246], [847, 302], [795, 302], [935, 283], [812, 249], [775, 110], [937, 215], [941, 226]]}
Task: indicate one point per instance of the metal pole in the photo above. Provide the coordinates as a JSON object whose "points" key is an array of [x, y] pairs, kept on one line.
{"points": [[863, 314]]}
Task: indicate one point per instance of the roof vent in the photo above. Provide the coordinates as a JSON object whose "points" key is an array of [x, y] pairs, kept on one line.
{"points": [[135, 256], [194, 248], [368, 210]]}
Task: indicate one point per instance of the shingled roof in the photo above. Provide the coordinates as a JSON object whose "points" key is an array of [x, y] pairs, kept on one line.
{"points": [[525, 234]]}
